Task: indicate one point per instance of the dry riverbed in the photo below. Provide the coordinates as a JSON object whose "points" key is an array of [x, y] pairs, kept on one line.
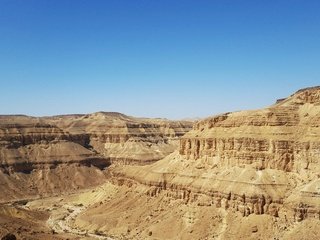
{"points": [[63, 211]]}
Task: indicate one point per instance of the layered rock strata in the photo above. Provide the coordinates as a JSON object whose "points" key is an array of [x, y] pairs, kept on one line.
{"points": [[262, 162], [26, 142], [124, 139], [55, 154], [38, 158]]}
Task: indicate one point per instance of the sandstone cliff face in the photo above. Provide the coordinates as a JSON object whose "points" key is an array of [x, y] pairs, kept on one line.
{"points": [[124, 139], [254, 162], [38, 158], [284, 136], [55, 154], [243, 175], [27, 141]]}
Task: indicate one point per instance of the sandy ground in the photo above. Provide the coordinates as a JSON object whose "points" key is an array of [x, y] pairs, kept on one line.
{"points": [[125, 212], [64, 210]]}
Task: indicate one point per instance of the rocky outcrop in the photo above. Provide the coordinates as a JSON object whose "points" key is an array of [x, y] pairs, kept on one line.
{"points": [[38, 158], [61, 151], [124, 139], [284, 136], [305, 202], [239, 189], [113, 137], [254, 162], [237, 174], [27, 142]]}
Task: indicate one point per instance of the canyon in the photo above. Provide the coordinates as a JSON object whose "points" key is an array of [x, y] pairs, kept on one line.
{"points": [[241, 175], [50, 155]]}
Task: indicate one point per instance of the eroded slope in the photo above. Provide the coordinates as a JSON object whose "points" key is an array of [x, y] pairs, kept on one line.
{"points": [[124, 139], [258, 170]]}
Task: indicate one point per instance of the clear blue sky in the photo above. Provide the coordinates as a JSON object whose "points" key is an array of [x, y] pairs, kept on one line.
{"points": [[167, 58]]}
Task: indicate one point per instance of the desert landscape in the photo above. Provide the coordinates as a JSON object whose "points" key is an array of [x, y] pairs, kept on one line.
{"points": [[159, 120], [240, 175]]}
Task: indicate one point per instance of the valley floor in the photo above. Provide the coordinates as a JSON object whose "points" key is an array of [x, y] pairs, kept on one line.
{"points": [[111, 211]]}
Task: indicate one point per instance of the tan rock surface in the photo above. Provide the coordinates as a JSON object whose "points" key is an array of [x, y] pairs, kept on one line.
{"points": [[54, 156], [37, 158], [243, 175], [257, 170], [64, 153], [124, 139]]}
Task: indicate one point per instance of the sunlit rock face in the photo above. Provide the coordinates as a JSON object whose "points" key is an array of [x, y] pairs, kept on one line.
{"points": [[50, 155], [124, 139], [254, 162], [283, 137], [38, 159], [242, 175]]}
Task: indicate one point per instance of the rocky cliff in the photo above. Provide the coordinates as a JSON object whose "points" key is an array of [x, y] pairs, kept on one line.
{"points": [[39, 158], [242, 175], [57, 154], [123, 139], [262, 162], [27, 141], [284, 136]]}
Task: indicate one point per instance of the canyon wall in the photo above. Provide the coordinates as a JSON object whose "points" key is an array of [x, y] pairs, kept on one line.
{"points": [[255, 162], [123, 139], [38, 158], [50, 155]]}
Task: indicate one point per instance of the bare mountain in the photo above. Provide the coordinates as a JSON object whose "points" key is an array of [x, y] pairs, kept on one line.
{"points": [[242, 175]]}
